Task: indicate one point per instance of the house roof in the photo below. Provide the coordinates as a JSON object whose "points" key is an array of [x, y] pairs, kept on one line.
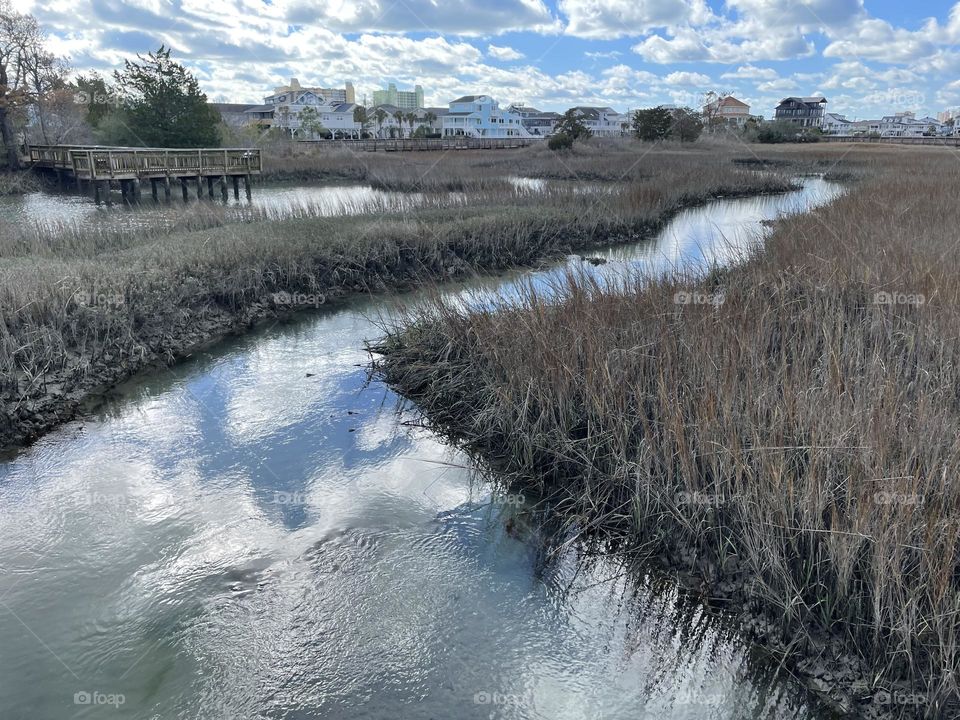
{"points": [[344, 107], [231, 107], [593, 111], [808, 101], [838, 118], [731, 100], [460, 113], [468, 98], [260, 108]]}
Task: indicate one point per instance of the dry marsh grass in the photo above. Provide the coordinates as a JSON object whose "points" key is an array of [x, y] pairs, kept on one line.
{"points": [[82, 307], [797, 440]]}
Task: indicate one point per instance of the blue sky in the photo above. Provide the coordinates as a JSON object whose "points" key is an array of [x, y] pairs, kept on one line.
{"points": [[867, 57]]}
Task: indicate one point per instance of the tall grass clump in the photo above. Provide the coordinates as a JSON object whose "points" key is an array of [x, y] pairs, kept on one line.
{"points": [[796, 443]]}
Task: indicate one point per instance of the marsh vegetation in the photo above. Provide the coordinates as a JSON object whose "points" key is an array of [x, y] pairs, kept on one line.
{"points": [[785, 430]]}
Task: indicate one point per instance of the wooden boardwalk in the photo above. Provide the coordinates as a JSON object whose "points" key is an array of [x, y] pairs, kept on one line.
{"points": [[941, 141], [425, 144], [98, 167]]}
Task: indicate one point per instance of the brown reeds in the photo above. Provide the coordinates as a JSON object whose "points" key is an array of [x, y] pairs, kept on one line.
{"points": [[797, 439]]}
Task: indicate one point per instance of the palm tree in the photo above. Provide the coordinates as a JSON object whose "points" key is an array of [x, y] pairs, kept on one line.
{"points": [[411, 118], [360, 117], [429, 119], [380, 114], [398, 116]]}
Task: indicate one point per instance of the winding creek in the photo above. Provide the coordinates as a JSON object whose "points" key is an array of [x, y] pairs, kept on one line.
{"points": [[259, 532]]}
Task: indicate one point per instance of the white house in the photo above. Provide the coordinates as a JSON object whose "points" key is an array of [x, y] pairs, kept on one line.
{"points": [[537, 122], [834, 124], [908, 125], [603, 121], [284, 109], [480, 116]]}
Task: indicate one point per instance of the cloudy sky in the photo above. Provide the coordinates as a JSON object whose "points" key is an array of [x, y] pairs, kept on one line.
{"points": [[868, 57]]}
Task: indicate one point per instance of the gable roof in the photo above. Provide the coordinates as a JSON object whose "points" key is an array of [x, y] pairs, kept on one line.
{"points": [[731, 100], [468, 98]]}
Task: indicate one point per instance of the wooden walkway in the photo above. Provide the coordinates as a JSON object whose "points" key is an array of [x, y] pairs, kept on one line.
{"points": [[98, 167], [942, 141], [424, 144]]}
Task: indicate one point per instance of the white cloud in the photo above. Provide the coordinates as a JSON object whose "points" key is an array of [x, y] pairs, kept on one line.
{"points": [[609, 19], [751, 72], [503, 53], [686, 78]]}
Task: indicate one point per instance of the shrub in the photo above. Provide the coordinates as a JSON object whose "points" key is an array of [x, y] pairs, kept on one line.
{"points": [[560, 141]]}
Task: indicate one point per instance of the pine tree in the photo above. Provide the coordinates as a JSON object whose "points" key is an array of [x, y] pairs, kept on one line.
{"points": [[162, 105]]}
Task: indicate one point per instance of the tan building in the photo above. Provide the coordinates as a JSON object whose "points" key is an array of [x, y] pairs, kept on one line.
{"points": [[726, 110]]}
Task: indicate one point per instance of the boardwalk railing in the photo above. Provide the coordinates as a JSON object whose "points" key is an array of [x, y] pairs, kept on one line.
{"points": [[414, 144], [111, 163], [943, 141]]}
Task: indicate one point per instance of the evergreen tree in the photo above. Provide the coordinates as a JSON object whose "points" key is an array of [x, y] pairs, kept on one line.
{"points": [[162, 105], [572, 126], [652, 123]]}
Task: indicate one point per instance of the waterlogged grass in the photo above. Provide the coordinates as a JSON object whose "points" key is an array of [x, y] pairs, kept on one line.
{"points": [[17, 183], [86, 306], [788, 427]]}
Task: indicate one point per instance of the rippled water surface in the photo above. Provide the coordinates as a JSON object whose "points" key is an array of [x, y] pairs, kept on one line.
{"points": [[259, 533]]}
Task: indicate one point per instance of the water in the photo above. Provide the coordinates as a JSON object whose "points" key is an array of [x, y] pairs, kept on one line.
{"points": [[259, 533], [44, 207]]}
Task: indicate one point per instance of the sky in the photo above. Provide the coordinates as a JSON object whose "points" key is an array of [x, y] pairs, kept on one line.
{"points": [[867, 57]]}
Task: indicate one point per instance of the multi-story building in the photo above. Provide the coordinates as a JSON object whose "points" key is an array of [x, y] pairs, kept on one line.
{"points": [[725, 111], [803, 111], [284, 109], [603, 121], [480, 116], [537, 122], [403, 99]]}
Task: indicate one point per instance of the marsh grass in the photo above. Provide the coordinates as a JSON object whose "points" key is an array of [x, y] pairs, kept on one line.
{"points": [[798, 439], [86, 306]]}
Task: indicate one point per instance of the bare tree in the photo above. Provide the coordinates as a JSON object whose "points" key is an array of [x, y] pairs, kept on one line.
{"points": [[15, 28], [45, 76], [29, 75]]}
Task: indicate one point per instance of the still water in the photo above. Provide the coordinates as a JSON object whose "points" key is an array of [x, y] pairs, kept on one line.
{"points": [[259, 532], [42, 208]]}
